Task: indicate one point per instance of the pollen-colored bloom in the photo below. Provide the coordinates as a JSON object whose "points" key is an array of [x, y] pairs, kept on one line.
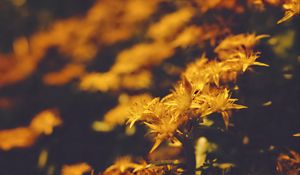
{"points": [[140, 109], [218, 101], [122, 166], [126, 165], [180, 99], [233, 43], [292, 8], [119, 114], [241, 60], [162, 130], [196, 75], [201, 91], [158, 117]]}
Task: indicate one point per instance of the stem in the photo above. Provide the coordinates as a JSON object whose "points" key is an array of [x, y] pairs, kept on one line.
{"points": [[189, 152], [186, 137]]}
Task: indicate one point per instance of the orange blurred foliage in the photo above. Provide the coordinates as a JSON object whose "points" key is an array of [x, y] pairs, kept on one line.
{"points": [[101, 27], [76, 169], [42, 123], [288, 164], [67, 74]]}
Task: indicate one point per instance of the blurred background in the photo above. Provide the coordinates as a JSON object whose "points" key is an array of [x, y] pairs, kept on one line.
{"points": [[48, 47]]}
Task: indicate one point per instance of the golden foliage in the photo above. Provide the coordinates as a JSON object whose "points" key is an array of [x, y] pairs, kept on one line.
{"points": [[205, 6], [292, 8], [274, 2], [42, 123], [141, 55], [231, 44], [296, 134], [130, 64], [136, 81], [67, 74], [76, 169], [216, 101], [80, 45], [119, 114], [202, 90], [18, 137], [194, 35], [45, 121], [109, 81], [199, 93], [100, 81], [126, 166], [258, 4], [167, 34], [288, 164], [169, 25], [122, 165], [105, 27]]}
